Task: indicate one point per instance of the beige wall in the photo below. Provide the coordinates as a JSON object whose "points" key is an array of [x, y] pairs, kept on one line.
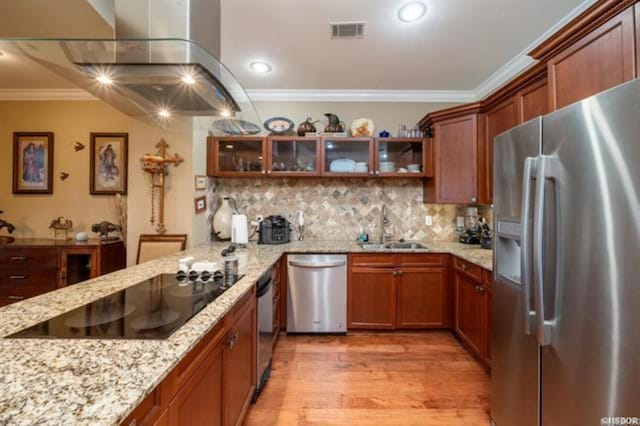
{"points": [[385, 115], [70, 122], [74, 121]]}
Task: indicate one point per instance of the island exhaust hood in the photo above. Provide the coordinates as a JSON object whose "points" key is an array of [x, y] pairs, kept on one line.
{"points": [[155, 74]]}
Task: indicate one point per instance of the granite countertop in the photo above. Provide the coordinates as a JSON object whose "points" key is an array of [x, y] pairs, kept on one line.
{"points": [[84, 381]]}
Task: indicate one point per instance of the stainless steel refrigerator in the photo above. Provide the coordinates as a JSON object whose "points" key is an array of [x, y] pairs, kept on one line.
{"points": [[566, 295]]}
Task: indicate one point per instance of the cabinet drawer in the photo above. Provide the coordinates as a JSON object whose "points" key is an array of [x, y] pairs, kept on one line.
{"points": [[31, 257], [16, 294], [487, 277], [44, 279], [423, 259], [468, 268], [374, 260]]}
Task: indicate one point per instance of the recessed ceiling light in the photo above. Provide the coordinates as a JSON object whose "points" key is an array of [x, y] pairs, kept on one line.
{"points": [[225, 113], [1, 53], [261, 67], [412, 11], [104, 79], [164, 113], [188, 79]]}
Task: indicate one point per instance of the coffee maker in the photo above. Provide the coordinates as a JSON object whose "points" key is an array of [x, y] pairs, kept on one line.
{"points": [[472, 227]]}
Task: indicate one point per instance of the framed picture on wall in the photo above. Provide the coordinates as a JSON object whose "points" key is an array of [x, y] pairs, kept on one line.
{"points": [[200, 182], [108, 168], [33, 162], [201, 204]]}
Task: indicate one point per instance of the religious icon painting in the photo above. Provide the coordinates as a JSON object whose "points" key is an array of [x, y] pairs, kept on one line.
{"points": [[108, 163], [32, 162]]}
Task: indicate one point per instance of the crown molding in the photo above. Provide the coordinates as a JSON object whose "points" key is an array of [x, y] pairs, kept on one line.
{"points": [[286, 95], [504, 74], [45, 95]]}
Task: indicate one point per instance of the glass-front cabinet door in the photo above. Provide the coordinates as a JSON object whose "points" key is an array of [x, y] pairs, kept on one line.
{"points": [[236, 156], [293, 156], [347, 156], [404, 157]]}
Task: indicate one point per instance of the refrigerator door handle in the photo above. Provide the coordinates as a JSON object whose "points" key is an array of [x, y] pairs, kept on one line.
{"points": [[545, 173], [529, 315]]}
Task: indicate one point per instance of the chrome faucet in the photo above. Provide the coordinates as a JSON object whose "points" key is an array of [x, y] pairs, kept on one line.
{"points": [[384, 222]]}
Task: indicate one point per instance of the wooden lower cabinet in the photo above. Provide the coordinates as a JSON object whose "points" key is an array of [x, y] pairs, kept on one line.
{"points": [[472, 308], [200, 399], [372, 298], [214, 383], [398, 291], [468, 312], [422, 298], [239, 378]]}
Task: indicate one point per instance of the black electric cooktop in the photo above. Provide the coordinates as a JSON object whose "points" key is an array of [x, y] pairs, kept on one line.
{"points": [[152, 309]]}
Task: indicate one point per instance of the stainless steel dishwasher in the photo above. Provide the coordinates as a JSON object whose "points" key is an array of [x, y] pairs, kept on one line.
{"points": [[317, 293]]}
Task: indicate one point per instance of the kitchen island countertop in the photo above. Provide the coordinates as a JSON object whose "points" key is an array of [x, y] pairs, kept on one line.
{"points": [[84, 381]]}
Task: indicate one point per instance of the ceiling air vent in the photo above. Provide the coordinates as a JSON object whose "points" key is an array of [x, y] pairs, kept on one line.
{"points": [[342, 30]]}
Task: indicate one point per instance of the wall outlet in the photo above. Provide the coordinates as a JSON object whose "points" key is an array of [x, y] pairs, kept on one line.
{"points": [[428, 220]]}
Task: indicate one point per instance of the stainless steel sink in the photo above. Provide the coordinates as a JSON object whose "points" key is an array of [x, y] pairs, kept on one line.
{"points": [[409, 246], [403, 245], [373, 246]]}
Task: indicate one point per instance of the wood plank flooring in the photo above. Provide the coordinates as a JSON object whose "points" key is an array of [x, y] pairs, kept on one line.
{"points": [[373, 379]]}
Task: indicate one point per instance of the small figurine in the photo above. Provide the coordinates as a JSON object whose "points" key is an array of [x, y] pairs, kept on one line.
{"points": [[5, 224], [104, 228], [64, 176], [78, 146], [60, 227]]}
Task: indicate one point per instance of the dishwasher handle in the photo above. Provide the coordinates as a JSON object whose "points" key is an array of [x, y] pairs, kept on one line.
{"points": [[317, 264]]}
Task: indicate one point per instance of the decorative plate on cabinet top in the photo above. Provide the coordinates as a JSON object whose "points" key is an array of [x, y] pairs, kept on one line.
{"points": [[279, 125], [236, 127], [362, 127]]}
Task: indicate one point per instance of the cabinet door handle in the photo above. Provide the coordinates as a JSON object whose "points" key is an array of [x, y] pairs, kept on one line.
{"points": [[233, 340], [480, 289], [17, 277], [464, 267], [474, 199], [16, 297], [268, 172], [19, 258], [400, 272]]}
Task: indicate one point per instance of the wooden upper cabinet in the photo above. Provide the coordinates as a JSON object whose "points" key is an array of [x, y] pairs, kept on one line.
{"points": [[533, 101], [499, 119], [604, 58], [237, 156], [456, 161]]}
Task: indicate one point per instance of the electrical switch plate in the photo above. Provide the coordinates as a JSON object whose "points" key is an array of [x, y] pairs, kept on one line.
{"points": [[428, 220]]}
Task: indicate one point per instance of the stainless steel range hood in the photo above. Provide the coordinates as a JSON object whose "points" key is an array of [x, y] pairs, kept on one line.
{"points": [[159, 65], [158, 78]]}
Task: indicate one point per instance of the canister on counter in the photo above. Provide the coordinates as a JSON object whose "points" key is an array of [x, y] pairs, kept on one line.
{"points": [[230, 270]]}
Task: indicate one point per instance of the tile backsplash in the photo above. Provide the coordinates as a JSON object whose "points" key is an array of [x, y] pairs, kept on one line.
{"points": [[337, 209]]}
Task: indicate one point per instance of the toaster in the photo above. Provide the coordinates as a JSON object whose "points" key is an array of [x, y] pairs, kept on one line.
{"points": [[274, 230]]}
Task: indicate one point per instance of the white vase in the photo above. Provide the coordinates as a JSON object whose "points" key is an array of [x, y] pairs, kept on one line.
{"points": [[222, 220]]}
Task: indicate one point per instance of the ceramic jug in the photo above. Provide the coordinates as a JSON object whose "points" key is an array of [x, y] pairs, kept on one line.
{"points": [[222, 220], [335, 125], [307, 126]]}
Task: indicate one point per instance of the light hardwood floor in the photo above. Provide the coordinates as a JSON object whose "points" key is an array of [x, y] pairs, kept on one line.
{"points": [[373, 379]]}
